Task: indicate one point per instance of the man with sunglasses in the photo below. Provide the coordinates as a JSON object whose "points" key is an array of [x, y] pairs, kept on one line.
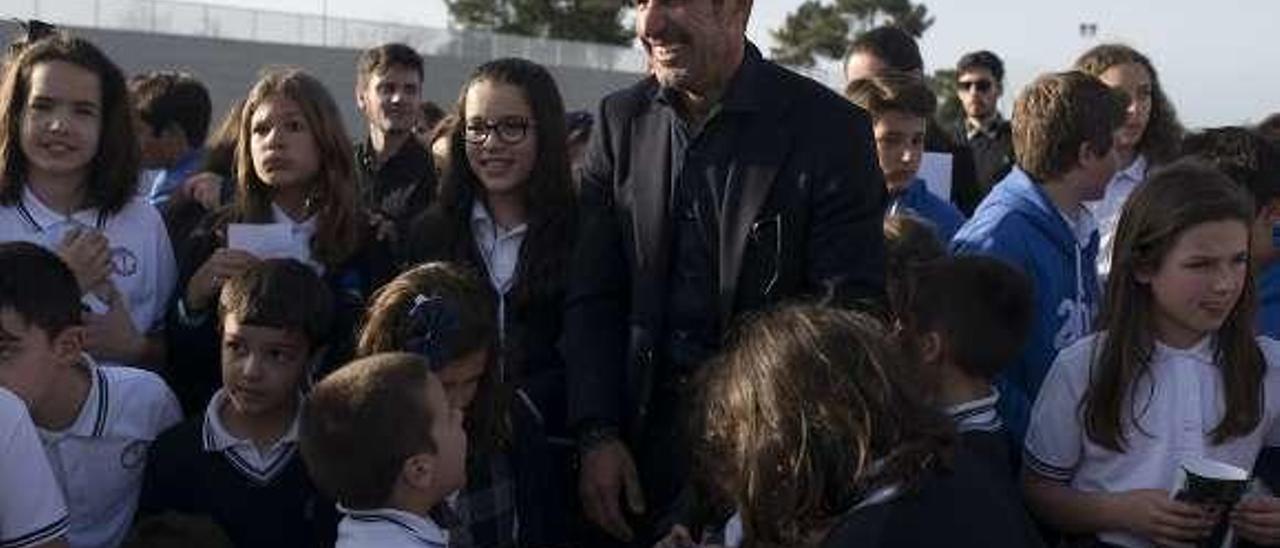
{"points": [[721, 184], [980, 83]]}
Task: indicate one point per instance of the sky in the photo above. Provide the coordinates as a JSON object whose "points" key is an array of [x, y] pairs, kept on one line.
{"points": [[1217, 61]]}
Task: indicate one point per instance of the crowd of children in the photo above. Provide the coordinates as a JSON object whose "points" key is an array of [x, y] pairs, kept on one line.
{"points": [[302, 371]]}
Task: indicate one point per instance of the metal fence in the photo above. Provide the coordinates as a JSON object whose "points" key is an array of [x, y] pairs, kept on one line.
{"points": [[234, 23]]}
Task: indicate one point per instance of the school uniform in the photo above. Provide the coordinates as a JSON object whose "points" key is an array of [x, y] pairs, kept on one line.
{"points": [[99, 460], [1107, 210], [142, 260], [539, 478], [982, 432], [258, 497], [957, 507], [1018, 224], [389, 528], [193, 337], [916, 200], [31, 507], [1181, 403]]}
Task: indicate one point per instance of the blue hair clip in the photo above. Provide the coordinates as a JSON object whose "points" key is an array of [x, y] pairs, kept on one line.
{"points": [[431, 321]]}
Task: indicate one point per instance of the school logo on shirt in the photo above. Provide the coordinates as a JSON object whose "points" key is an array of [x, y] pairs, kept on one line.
{"points": [[123, 262], [134, 455]]}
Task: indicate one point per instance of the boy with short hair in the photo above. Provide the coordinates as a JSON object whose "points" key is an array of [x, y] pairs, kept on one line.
{"points": [[237, 463], [1035, 220], [379, 436], [95, 422], [900, 107], [966, 319]]}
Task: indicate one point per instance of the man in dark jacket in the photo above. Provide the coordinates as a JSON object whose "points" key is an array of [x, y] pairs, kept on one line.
{"points": [[395, 175], [980, 83], [721, 184]]}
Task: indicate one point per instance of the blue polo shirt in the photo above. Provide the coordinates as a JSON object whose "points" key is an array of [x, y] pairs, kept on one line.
{"points": [[916, 199]]}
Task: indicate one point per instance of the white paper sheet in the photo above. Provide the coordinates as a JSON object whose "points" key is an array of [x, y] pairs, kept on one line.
{"points": [[268, 241], [935, 169]]}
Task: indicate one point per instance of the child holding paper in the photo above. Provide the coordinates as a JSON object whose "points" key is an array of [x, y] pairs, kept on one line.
{"points": [[294, 198], [1176, 376]]}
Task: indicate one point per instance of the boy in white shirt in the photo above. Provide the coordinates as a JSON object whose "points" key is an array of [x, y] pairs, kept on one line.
{"points": [[32, 513], [357, 425], [95, 422]]}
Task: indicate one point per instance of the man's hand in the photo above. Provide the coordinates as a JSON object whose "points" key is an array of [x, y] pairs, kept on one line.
{"points": [[204, 187], [608, 472]]}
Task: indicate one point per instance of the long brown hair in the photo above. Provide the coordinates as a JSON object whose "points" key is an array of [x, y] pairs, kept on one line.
{"points": [[1159, 143], [548, 194], [1174, 199], [468, 324], [332, 200], [808, 413], [113, 173]]}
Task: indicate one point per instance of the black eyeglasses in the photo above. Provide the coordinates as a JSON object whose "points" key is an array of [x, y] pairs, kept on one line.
{"points": [[981, 86], [510, 131]]}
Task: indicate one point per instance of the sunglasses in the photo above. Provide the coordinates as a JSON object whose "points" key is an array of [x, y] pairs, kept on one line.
{"points": [[981, 86]]}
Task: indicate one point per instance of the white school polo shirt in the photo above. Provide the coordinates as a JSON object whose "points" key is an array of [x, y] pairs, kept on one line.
{"points": [[388, 528], [259, 466], [31, 507], [1108, 209], [1185, 405], [143, 268], [100, 458]]}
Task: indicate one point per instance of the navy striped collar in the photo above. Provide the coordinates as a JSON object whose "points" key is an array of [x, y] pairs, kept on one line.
{"points": [[979, 415], [94, 412], [216, 438], [389, 520]]}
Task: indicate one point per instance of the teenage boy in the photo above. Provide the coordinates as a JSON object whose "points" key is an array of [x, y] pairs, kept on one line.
{"points": [[900, 107], [979, 84], [380, 437], [171, 120], [1034, 219], [889, 48], [95, 422], [238, 463], [395, 175]]}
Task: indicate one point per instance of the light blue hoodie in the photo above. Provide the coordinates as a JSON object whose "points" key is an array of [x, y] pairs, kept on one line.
{"points": [[1020, 225]]}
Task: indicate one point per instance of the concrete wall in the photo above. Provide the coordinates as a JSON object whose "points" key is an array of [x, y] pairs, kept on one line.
{"points": [[229, 68]]}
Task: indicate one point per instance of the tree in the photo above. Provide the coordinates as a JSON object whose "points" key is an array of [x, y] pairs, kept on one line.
{"points": [[950, 112], [583, 20], [820, 29]]}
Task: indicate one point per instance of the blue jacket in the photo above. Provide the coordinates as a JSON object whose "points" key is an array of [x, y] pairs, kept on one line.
{"points": [[1020, 225], [917, 199]]}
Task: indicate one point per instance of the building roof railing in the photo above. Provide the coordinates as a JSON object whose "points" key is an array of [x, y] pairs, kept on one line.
{"points": [[176, 17]]}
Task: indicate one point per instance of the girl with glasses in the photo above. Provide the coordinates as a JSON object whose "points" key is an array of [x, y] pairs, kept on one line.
{"points": [[507, 209]]}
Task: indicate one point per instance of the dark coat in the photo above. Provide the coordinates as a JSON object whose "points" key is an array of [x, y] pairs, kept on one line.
{"points": [[801, 218]]}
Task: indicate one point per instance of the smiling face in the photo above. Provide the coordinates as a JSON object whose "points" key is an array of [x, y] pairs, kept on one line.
{"points": [[390, 101], [1198, 282], [501, 137], [283, 146], [262, 367], [61, 121], [688, 41], [1135, 81]]}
